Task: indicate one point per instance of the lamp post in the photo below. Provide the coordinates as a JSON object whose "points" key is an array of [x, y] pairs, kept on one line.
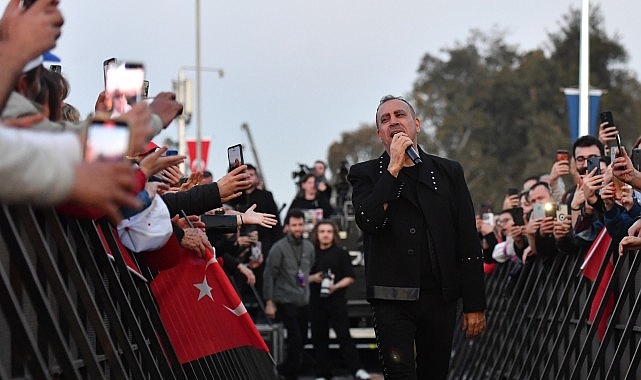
{"points": [[183, 88]]}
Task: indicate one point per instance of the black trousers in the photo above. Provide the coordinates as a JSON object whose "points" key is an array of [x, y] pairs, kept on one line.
{"points": [[326, 312], [427, 324], [295, 320]]}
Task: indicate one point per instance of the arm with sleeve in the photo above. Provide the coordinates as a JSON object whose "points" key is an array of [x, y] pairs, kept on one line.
{"points": [[37, 167]]}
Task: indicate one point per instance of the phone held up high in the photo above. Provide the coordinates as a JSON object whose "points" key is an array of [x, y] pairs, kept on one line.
{"points": [[594, 162], [235, 156], [562, 155], [106, 140], [124, 85]]}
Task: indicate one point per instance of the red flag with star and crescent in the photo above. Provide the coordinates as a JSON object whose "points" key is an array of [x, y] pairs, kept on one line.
{"points": [[200, 309]]}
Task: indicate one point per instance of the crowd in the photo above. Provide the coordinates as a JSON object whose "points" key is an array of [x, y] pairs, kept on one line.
{"points": [[150, 203], [296, 272], [548, 217]]}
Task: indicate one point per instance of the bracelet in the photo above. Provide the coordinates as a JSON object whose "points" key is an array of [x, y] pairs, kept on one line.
{"points": [[241, 219], [575, 209]]}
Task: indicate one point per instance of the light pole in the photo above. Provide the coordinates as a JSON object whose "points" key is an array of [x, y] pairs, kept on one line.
{"points": [[183, 88]]}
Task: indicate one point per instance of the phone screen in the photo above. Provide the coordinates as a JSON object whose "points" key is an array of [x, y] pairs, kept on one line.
{"points": [[562, 155], [488, 218], [106, 141], [235, 156], [105, 66], [124, 85], [145, 89]]}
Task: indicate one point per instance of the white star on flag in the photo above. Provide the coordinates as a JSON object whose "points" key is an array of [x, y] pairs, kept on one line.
{"points": [[205, 289]]}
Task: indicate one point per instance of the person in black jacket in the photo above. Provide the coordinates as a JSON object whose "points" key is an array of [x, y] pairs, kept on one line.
{"points": [[328, 305], [422, 250]]}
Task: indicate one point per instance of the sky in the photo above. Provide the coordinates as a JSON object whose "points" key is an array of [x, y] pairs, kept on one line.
{"points": [[298, 72]]}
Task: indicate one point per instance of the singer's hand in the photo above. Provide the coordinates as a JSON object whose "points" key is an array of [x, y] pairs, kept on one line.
{"points": [[398, 158]]}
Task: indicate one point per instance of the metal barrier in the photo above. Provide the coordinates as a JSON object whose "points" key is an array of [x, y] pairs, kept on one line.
{"points": [[537, 324], [71, 308]]}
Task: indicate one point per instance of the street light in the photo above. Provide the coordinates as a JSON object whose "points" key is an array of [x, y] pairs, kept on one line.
{"points": [[183, 88]]}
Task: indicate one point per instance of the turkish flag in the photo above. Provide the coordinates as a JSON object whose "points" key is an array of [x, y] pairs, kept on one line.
{"points": [[590, 268], [200, 309]]}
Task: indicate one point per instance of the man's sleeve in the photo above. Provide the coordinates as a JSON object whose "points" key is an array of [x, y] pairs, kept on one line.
{"points": [[195, 201], [272, 260], [369, 198], [469, 253], [37, 167]]}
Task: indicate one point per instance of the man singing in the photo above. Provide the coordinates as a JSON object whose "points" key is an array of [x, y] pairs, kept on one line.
{"points": [[422, 251]]}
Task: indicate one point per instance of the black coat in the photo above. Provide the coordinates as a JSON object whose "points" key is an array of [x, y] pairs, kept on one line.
{"points": [[392, 265]]}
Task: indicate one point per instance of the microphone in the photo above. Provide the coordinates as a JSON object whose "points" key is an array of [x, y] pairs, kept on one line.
{"points": [[413, 155]]}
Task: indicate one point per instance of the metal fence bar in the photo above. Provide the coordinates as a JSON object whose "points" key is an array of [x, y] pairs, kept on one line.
{"points": [[28, 276], [62, 296], [87, 299], [540, 330]]}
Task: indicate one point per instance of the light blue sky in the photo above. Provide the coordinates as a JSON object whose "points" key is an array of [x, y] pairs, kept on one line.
{"points": [[299, 72]]}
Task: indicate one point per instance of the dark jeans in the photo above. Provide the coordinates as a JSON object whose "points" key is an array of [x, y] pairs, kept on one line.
{"points": [[427, 324], [294, 318], [325, 312]]}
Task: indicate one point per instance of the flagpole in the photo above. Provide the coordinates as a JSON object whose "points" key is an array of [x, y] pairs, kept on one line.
{"points": [[584, 70], [199, 153]]}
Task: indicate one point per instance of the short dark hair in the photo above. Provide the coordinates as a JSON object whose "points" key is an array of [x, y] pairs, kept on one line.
{"points": [[387, 98], [314, 235], [251, 167], [540, 183], [207, 174], [586, 141], [294, 213]]}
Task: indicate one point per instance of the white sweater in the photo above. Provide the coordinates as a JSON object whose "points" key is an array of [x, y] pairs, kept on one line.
{"points": [[37, 167]]}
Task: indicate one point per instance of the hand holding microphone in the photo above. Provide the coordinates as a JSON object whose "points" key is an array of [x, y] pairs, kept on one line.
{"points": [[401, 148]]}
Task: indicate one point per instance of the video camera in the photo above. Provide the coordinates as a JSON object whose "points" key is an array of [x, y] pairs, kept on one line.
{"points": [[302, 171]]}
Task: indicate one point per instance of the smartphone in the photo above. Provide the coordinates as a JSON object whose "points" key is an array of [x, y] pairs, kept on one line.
{"points": [[618, 152], [517, 216], [171, 152], [594, 162], [512, 191], [561, 212], [562, 155], [235, 156], [538, 211], [488, 218], [636, 158], [105, 66], [56, 68], [106, 140], [145, 89], [606, 117], [550, 209], [124, 85]]}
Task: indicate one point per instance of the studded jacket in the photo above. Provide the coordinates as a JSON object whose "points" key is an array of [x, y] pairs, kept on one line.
{"points": [[392, 266]]}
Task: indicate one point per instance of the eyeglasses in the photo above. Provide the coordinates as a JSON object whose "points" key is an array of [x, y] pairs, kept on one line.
{"points": [[581, 159], [503, 221]]}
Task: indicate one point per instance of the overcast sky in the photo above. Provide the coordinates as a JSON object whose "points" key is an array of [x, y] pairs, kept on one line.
{"points": [[298, 72]]}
